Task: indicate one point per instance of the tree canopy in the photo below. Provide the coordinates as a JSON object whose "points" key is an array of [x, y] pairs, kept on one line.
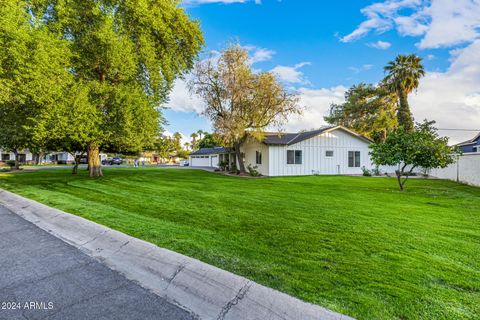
{"points": [[369, 110], [33, 76], [238, 100], [403, 76], [123, 57], [422, 148]]}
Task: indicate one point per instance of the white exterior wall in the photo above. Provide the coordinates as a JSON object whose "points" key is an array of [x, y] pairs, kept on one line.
{"points": [[28, 155], [249, 148], [466, 170], [314, 160]]}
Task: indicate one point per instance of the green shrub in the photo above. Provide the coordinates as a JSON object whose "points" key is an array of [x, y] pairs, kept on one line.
{"points": [[223, 165], [10, 163], [366, 172], [252, 171]]}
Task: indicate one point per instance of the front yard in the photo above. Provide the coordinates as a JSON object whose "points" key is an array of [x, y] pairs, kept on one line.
{"points": [[352, 244]]}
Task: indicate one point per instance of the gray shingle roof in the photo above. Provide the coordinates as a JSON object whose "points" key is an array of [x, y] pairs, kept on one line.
{"points": [[214, 150], [291, 138]]}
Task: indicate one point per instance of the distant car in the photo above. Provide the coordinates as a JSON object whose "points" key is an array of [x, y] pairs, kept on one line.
{"points": [[113, 160], [184, 163]]}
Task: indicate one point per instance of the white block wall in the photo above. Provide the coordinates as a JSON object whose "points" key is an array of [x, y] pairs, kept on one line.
{"points": [[465, 170]]}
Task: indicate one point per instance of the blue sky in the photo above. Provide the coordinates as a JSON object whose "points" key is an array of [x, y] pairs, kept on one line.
{"points": [[320, 48]]}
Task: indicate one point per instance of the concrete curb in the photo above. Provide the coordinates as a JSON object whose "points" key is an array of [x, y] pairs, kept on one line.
{"points": [[205, 291]]}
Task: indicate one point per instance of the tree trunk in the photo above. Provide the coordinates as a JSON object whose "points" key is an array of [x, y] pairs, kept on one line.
{"points": [[17, 163], [241, 165], [75, 165], [94, 165], [404, 115], [399, 179]]}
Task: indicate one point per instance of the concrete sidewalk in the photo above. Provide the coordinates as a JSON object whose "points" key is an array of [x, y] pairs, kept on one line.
{"points": [[202, 290], [42, 277]]}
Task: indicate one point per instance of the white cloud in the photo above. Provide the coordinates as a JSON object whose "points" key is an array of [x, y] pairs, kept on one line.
{"points": [[442, 23], [181, 100], [259, 54], [380, 17], [365, 67], [452, 23], [382, 45], [317, 104], [291, 74], [452, 98]]}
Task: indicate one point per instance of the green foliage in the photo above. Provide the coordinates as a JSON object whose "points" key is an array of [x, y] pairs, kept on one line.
{"points": [[239, 100], [368, 110], [403, 77], [223, 165], [252, 170], [78, 74], [422, 148], [366, 172], [10, 163], [352, 244], [33, 75], [209, 140]]}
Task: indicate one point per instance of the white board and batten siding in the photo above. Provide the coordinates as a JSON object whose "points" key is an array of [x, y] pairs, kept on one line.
{"points": [[314, 159]]}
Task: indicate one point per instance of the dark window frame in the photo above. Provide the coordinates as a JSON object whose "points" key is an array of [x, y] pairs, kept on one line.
{"points": [[294, 157], [329, 153], [354, 159], [258, 157]]}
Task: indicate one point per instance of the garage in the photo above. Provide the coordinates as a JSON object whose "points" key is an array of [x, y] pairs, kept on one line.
{"points": [[207, 157], [200, 161]]}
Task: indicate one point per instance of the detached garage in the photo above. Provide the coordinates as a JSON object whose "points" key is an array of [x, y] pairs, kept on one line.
{"points": [[207, 157]]}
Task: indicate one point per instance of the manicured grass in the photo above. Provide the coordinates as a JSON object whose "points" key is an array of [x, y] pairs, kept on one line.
{"points": [[352, 244]]}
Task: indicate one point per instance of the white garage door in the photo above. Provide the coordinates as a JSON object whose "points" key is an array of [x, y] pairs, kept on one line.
{"points": [[200, 161], [214, 161]]}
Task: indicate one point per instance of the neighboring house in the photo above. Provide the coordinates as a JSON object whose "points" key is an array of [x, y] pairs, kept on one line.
{"points": [[209, 157], [24, 156], [59, 158], [472, 145], [328, 150]]}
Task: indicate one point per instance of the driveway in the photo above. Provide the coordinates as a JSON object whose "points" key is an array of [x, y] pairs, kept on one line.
{"points": [[42, 277]]}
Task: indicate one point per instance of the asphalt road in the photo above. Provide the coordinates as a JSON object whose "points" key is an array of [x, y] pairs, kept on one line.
{"points": [[42, 277]]}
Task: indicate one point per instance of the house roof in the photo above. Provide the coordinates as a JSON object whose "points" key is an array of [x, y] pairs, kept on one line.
{"points": [[214, 150], [468, 142], [279, 138]]}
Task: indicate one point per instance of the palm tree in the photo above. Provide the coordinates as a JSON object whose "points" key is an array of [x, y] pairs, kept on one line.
{"points": [[200, 133], [194, 143], [403, 77]]}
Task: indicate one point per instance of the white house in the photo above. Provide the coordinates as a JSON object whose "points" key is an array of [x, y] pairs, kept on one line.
{"points": [[328, 150], [24, 156]]}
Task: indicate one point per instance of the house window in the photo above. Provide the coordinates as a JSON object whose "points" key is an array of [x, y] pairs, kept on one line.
{"points": [[258, 157], [329, 153], [354, 159], [294, 156], [5, 157]]}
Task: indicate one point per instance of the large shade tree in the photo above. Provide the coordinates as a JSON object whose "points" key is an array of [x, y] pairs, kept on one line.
{"points": [[126, 55], [34, 76], [369, 110], [240, 102], [403, 76]]}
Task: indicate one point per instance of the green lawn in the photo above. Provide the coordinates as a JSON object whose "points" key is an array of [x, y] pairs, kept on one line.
{"points": [[352, 244]]}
